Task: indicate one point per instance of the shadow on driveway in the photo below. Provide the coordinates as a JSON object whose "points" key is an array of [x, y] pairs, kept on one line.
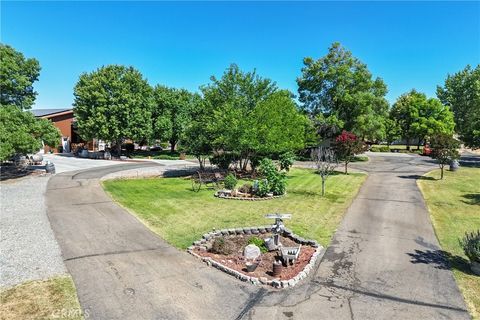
{"points": [[441, 259]]}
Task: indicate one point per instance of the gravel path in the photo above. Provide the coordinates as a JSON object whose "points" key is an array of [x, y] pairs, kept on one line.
{"points": [[28, 249]]}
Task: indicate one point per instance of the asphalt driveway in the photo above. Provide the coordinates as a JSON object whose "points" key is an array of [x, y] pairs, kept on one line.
{"points": [[380, 265]]}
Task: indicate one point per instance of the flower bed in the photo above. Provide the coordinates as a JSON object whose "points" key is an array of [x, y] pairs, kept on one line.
{"points": [[234, 263], [227, 194]]}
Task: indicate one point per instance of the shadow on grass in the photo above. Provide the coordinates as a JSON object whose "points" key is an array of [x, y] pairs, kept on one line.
{"points": [[472, 198], [417, 177], [440, 259]]}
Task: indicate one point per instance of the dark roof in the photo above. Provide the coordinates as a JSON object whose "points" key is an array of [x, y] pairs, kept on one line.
{"points": [[46, 112]]}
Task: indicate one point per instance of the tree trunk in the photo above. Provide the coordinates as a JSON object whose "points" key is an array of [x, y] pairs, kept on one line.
{"points": [[408, 144], [201, 163], [323, 186], [119, 148], [418, 144], [172, 145], [441, 172], [346, 167]]}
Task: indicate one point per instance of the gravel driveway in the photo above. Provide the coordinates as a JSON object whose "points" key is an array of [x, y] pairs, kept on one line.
{"points": [[28, 249]]}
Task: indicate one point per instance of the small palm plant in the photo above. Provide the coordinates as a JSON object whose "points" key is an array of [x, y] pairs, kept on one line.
{"points": [[471, 246]]}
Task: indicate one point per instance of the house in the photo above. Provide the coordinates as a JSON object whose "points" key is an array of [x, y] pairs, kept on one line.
{"points": [[64, 120]]}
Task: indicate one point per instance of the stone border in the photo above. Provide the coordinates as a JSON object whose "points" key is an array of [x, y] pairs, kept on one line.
{"points": [[203, 244], [248, 199]]}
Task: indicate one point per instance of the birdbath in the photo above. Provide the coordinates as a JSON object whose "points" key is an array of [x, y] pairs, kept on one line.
{"points": [[277, 229]]}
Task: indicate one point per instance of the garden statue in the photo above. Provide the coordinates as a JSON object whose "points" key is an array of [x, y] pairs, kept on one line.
{"points": [[278, 227]]}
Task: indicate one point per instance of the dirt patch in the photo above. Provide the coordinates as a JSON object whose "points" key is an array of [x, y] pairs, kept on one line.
{"points": [[236, 261]]}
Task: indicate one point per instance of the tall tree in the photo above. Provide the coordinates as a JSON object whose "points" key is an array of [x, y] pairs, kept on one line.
{"points": [[20, 131], [230, 101], [420, 117], [461, 92], [17, 76], [339, 84], [113, 103], [171, 113]]}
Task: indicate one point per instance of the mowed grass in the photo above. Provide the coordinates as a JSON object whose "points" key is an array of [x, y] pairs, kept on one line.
{"points": [[454, 205], [55, 298], [169, 207]]}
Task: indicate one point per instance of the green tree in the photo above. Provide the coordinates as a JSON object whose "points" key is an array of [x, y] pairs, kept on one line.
{"points": [[113, 103], [276, 126], [461, 92], [171, 113], [419, 117], [17, 76], [346, 146], [230, 101], [339, 84], [20, 131], [198, 139], [444, 150], [392, 130]]}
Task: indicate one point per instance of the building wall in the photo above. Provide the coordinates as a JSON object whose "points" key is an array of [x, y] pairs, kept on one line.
{"points": [[64, 123]]}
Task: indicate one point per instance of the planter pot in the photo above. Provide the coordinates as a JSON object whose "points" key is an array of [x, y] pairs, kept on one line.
{"points": [[251, 266], [475, 267], [454, 165]]}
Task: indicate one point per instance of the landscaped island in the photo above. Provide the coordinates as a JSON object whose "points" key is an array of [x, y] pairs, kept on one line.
{"points": [[181, 216]]}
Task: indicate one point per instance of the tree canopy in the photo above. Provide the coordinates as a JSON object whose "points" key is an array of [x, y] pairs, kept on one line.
{"points": [[20, 131], [339, 84], [420, 117], [113, 103], [172, 111], [461, 92], [17, 75]]}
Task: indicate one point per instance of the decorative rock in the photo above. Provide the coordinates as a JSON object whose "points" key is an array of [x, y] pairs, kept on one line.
{"points": [[247, 230], [255, 231], [292, 282], [263, 280], [197, 243], [231, 231], [239, 231], [262, 230], [268, 228], [276, 283], [251, 252], [287, 232], [284, 283], [191, 248], [224, 232]]}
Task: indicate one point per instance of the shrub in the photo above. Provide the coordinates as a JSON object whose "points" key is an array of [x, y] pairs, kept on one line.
{"points": [[222, 246], [262, 188], [246, 188], [223, 160], [276, 180], [471, 245], [259, 242], [286, 160], [230, 181], [380, 149]]}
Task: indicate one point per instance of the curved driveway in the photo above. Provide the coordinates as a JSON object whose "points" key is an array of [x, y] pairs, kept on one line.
{"points": [[381, 264]]}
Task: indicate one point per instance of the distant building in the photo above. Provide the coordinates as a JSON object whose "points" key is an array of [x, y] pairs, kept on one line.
{"points": [[64, 120]]}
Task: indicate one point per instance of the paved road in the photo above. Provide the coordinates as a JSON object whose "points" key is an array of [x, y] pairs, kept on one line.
{"points": [[382, 262]]}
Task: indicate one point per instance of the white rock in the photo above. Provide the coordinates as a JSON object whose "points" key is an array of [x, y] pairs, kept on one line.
{"points": [[251, 252]]}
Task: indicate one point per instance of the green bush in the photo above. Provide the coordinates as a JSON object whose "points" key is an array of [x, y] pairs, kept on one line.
{"points": [[286, 160], [230, 181], [262, 188], [276, 180], [380, 149], [471, 245], [259, 242], [223, 160]]}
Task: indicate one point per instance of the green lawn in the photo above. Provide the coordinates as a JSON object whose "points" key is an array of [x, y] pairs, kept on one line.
{"points": [[454, 206], [170, 208], [55, 298]]}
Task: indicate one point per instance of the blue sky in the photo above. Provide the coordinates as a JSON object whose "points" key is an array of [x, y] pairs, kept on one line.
{"points": [[408, 44]]}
